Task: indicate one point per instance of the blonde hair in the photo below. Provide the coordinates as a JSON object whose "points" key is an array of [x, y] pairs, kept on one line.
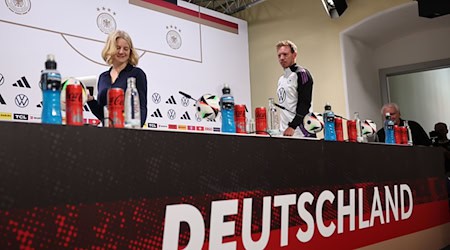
{"points": [[287, 43], [110, 48]]}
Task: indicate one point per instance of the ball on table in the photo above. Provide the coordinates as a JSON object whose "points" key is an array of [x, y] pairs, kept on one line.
{"points": [[313, 122], [208, 106]]}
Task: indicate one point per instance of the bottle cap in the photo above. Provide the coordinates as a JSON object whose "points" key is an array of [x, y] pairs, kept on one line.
{"points": [[50, 63], [327, 106], [226, 89]]}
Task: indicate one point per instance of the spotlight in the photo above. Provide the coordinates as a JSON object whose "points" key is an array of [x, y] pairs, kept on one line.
{"points": [[334, 8]]}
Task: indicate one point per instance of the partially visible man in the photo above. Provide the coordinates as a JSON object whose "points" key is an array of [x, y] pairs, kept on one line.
{"points": [[294, 91], [419, 136], [442, 141]]}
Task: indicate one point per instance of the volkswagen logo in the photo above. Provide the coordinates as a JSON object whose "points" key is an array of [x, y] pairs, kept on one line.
{"points": [[21, 100], [184, 101], [281, 95], [171, 114], [156, 98]]}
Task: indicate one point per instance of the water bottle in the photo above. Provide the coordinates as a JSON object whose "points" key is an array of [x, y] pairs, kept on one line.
{"points": [[227, 110], [359, 137], [408, 130], [51, 92], [389, 130], [329, 129], [132, 106], [273, 124]]}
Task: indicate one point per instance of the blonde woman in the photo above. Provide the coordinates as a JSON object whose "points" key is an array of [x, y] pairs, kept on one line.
{"points": [[120, 54]]}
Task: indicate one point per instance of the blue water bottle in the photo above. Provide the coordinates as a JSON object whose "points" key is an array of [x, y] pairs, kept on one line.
{"points": [[389, 130], [227, 110], [329, 126], [51, 92]]}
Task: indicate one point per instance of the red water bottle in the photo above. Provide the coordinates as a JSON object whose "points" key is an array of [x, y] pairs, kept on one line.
{"points": [[339, 129], [398, 135], [116, 107], [351, 131], [239, 118], [261, 120], [74, 104]]}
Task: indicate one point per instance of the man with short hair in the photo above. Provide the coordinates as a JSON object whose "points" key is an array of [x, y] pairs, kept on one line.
{"points": [[294, 91], [419, 136]]}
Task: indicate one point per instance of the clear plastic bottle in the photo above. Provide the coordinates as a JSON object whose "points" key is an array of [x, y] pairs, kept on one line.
{"points": [[329, 126], [389, 130], [408, 129], [227, 110], [132, 106], [359, 137], [273, 122], [51, 92]]}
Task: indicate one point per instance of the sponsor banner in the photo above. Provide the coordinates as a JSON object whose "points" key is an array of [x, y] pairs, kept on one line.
{"points": [[152, 125], [5, 116], [182, 127], [22, 117], [173, 126], [200, 128]]}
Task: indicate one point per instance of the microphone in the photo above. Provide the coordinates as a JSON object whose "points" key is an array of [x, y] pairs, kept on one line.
{"points": [[283, 108], [186, 95]]}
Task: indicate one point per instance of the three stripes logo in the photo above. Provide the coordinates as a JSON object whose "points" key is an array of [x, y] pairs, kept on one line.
{"points": [[22, 83], [185, 116], [2, 101], [157, 114], [171, 100], [86, 108], [39, 105]]}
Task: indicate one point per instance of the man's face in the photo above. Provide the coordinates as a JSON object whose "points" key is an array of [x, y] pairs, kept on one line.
{"points": [[441, 130], [395, 115], [285, 56]]}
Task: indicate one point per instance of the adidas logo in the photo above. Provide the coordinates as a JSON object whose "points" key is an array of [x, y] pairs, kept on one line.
{"points": [[185, 116], [22, 83], [171, 100], [157, 113], [2, 101], [86, 108], [39, 105]]}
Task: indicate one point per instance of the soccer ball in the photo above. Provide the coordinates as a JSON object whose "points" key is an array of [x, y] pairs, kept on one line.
{"points": [[369, 127], [208, 107], [70, 81], [313, 122]]}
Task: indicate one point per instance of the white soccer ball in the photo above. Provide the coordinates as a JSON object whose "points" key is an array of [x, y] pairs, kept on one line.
{"points": [[313, 122], [208, 107], [71, 81], [369, 127]]}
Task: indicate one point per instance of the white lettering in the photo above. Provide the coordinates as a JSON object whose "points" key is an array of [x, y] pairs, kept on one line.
{"points": [[377, 210], [305, 236], [324, 230], [391, 203], [247, 224], [346, 210], [175, 214], [405, 188], [219, 228], [284, 201]]}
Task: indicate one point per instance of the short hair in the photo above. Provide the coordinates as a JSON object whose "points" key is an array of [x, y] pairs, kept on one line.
{"points": [[110, 48], [287, 43], [439, 124], [390, 105]]}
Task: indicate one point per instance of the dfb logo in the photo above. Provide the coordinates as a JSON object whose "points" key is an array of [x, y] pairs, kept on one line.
{"points": [[22, 117]]}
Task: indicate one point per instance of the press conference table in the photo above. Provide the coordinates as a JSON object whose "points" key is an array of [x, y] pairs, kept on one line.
{"points": [[88, 187]]}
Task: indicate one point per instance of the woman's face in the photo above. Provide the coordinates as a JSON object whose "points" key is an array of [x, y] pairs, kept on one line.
{"points": [[123, 51]]}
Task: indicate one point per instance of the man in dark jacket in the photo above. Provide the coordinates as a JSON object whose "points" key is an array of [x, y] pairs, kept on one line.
{"points": [[419, 136]]}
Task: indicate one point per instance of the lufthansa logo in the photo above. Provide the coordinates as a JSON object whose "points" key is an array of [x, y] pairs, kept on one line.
{"points": [[21, 100], [105, 21], [19, 7], [281, 95], [156, 98], [184, 101], [171, 114], [173, 37], [2, 79]]}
